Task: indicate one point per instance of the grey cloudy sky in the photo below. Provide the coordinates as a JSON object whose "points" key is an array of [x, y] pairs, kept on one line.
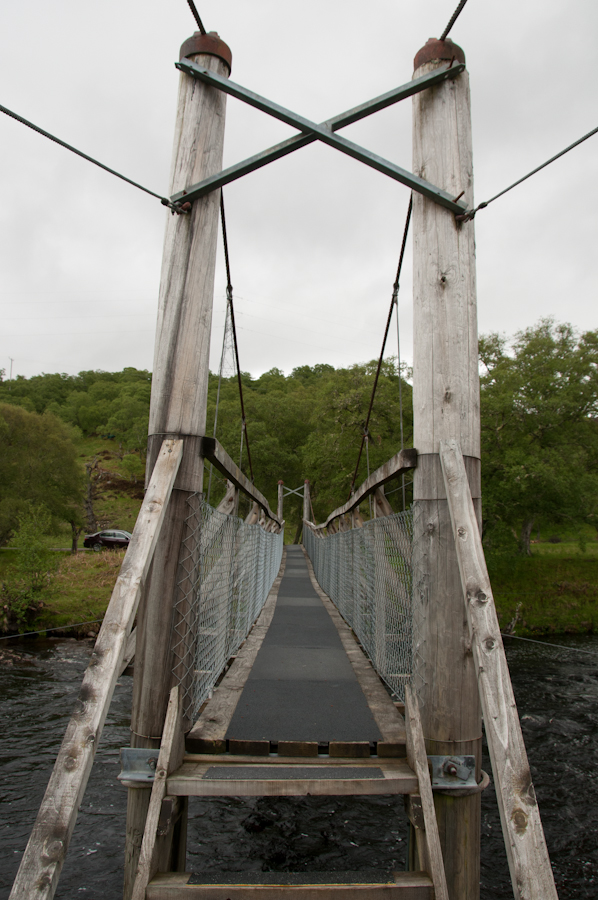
{"points": [[314, 238]]}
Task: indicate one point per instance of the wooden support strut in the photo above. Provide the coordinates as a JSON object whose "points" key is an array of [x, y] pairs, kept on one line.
{"points": [[529, 864], [46, 850], [401, 462]]}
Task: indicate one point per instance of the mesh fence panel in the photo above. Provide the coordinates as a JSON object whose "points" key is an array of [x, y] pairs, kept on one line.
{"points": [[367, 573], [226, 570]]}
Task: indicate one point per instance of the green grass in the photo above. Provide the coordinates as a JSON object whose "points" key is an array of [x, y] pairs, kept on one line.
{"points": [[547, 594]]}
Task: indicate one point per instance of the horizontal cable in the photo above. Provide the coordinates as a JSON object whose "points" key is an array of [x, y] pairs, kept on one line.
{"points": [[13, 115], [547, 644], [471, 214], [43, 631]]}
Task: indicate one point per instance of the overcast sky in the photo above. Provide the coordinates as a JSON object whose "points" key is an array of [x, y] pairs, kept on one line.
{"points": [[314, 238]]}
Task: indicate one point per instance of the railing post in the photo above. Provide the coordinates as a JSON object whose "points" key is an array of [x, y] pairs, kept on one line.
{"points": [[446, 405], [280, 500], [306, 503], [179, 392]]}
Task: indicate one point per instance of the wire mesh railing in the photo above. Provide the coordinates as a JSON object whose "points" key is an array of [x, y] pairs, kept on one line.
{"points": [[367, 573], [226, 570]]}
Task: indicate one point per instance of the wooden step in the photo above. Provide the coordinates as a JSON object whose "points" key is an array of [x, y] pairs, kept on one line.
{"points": [[176, 886], [227, 775]]}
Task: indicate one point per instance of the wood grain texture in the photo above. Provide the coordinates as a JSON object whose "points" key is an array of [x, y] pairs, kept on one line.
{"points": [[212, 450], [178, 400], [403, 461], [46, 850], [531, 872], [170, 758], [388, 719], [213, 723], [189, 781], [446, 404], [407, 886], [418, 760]]}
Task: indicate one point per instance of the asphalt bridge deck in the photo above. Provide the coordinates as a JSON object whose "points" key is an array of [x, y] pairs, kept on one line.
{"points": [[302, 686]]}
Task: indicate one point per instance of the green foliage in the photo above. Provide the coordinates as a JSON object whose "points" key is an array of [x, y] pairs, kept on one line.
{"points": [[26, 586], [97, 402], [38, 466], [539, 407]]}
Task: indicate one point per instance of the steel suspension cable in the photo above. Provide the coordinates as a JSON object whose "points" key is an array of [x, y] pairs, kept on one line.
{"points": [[452, 20], [164, 200], [486, 203], [196, 16], [229, 300], [395, 291]]}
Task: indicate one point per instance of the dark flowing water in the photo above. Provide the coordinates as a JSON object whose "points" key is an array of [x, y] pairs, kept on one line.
{"points": [[557, 696]]}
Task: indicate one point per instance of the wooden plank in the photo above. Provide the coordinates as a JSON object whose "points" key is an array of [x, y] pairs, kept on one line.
{"points": [[246, 748], [529, 863], [353, 749], [298, 748], [170, 758], [45, 852], [403, 461], [407, 886], [213, 723], [189, 781], [388, 719], [212, 450], [418, 760]]}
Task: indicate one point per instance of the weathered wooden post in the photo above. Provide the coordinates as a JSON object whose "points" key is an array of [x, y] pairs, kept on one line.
{"points": [[446, 404], [179, 392], [306, 501], [280, 500]]}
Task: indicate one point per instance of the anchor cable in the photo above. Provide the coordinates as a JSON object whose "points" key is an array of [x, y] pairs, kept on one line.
{"points": [[470, 215], [395, 291], [229, 300], [164, 200], [196, 16], [452, 20]]}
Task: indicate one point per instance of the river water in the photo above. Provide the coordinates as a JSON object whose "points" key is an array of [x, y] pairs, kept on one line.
{"points": [[557, 697]]}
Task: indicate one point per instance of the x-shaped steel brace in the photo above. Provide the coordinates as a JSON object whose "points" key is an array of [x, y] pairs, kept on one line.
{"points": [[310, 132]]}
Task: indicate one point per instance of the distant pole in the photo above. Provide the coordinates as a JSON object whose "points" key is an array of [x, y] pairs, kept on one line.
{"points": [[446, 404], [179, 392], [11, 362], [306, 504], [280, 500]]}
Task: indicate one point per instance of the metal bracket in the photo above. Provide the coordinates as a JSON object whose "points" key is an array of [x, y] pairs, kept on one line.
{"points": [[453, 772], [138, 766], [324, 132]]}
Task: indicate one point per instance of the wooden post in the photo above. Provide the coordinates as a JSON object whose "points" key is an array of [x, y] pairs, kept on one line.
{"points": [[446, 406], [280, 500], [179, 392], [306, 503]]}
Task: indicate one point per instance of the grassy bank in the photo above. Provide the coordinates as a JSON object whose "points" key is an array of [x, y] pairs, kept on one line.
{"points": [[546, 594]]}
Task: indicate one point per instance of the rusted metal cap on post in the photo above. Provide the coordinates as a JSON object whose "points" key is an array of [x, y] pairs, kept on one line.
{"points": [[435, 49], [207, 43]]}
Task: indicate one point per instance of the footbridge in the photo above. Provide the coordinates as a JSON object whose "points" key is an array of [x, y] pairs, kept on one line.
{"points": [[362, 661]]}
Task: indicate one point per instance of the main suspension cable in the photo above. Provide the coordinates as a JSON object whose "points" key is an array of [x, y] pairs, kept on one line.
{"points": [[164, 200], [469, 215], [452, 20], [193, 9], [229, 300], [395, 291]]}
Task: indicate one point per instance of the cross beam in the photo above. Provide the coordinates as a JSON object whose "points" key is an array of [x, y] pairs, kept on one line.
{"points": [[310, 131]]}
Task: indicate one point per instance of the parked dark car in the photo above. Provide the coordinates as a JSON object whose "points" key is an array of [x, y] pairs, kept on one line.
{"points": [[112, 540]]}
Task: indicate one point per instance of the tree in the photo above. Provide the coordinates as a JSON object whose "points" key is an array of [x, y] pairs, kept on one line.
{"points": [[539, 429], [38, 465], [26, 586]]}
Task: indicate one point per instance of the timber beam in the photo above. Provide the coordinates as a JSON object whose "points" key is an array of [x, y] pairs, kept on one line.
{"points": [[310, 131], [214, 452], [402, 462]]}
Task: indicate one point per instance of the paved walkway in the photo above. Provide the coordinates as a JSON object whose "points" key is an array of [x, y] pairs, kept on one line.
{"points": [[302, 686]]}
